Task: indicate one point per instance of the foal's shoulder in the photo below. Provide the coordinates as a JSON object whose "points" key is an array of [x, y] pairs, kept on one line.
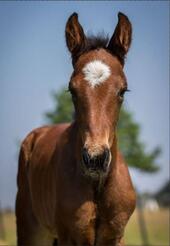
{"points": [[39, 132], [44, 133]]}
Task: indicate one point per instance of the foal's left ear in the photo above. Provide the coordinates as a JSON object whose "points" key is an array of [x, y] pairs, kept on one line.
{"points": [[75, 37], [120, 41]]}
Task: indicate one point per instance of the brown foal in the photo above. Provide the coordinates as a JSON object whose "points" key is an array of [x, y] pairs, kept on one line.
{"points": [[73, 183]]}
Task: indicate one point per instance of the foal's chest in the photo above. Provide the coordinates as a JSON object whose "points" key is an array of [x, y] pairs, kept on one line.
{"points": [[89, 227], [83, 220]]}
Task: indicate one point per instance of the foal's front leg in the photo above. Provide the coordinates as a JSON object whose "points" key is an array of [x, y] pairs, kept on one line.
{"points": [[84, 238], [114, 241], [111, 232]]}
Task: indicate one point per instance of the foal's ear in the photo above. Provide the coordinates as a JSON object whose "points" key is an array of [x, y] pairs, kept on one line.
{"points": [[75, 37], [120, 41]]}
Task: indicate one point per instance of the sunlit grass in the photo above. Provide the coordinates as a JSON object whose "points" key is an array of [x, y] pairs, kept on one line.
{"points": [[10, 229], [157, 225]]}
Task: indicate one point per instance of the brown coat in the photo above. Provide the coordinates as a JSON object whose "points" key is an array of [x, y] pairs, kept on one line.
{"points": [[56, 197]]}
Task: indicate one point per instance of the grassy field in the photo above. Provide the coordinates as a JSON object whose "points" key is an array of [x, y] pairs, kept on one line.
{"points": [[157, 224]]}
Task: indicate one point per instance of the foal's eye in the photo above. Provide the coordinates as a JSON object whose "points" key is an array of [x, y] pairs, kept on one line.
{"points": [[74, 97], [121, 93], [73, 94]]}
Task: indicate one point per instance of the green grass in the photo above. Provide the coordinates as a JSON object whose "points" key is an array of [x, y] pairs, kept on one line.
{"points": [[10, 229], [157, 224]]}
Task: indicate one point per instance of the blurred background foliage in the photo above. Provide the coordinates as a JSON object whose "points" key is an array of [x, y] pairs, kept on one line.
{"points": [[133, 149]]}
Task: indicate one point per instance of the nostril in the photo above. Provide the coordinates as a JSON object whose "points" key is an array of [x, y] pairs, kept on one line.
{"points": [[86, 157], [106, 155], [106, 158]]}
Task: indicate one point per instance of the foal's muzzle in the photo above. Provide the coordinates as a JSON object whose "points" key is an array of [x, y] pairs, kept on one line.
{"points": [[98, 163]]}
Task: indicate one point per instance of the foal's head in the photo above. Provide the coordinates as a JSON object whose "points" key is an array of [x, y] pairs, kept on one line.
{"points": [[97, 86]]}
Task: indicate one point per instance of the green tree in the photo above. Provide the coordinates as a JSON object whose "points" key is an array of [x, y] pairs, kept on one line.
{"points": [[133, 149]]}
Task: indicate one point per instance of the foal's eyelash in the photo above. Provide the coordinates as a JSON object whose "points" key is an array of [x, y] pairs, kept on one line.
{"points": [[68, 89]]}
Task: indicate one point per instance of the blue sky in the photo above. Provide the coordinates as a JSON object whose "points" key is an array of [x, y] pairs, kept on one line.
{"points": [[34, 62]]}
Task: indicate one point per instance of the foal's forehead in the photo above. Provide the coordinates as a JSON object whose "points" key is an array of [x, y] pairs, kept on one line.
{"points": [[98, 66], [96, 72]]}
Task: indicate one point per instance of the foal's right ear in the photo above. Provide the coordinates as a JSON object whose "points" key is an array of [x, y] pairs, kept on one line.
{"points": [[75, 37], [121, 39]]}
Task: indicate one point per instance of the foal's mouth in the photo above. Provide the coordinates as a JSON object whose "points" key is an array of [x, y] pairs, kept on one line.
{"points": [[96, 166]]}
